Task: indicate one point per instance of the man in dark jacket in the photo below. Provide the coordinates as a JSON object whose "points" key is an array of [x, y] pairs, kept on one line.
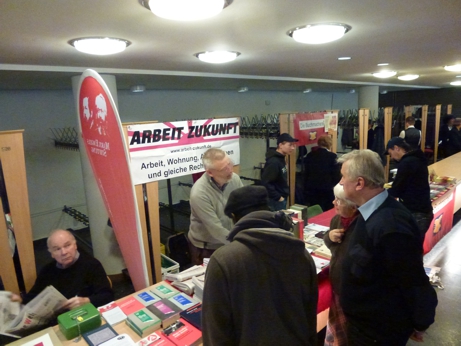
{"points": [[411, 134], [261, 289], [274, 175], [385, 293], [321, 174], [411, 183]]}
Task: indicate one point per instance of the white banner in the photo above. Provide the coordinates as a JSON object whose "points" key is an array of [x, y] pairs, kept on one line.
{"points": [[166, 150]]}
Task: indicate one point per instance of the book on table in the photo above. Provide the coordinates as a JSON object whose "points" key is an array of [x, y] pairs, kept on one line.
{"points": [[166, 311], [193, 315], [99, 335], [143, 322], [163, 290], [146, 297], [129, 305], [112, 313], [155, 339], [182, 333], [120, 340], [183, 301]]}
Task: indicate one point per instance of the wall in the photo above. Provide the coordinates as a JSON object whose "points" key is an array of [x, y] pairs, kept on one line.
{"points": [[429, 97], [54, 176]]}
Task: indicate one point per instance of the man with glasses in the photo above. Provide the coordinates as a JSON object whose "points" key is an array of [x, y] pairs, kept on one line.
{"points": [[384, 291], [209, 225], [79, 277]]}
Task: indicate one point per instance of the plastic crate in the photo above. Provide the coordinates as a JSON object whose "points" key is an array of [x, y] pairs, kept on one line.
{"points": [[169, 266]]}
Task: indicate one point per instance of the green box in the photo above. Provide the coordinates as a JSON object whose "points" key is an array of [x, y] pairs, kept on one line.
{"points": [[79, 320]]}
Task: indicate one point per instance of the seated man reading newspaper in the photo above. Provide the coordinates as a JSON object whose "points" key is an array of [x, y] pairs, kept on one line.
{"points": [[77, 277]]}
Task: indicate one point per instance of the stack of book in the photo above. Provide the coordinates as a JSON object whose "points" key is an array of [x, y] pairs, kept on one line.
{"points": [[181, 333], [199, 282], [166, 311], [143, 322], [183, 301], [112, 313]]}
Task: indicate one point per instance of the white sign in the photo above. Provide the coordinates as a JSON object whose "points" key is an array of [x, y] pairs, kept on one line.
{"points": [[166, 150]]}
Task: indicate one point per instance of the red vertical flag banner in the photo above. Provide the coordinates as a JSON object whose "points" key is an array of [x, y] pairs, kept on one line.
{"points": [[103, 137]]}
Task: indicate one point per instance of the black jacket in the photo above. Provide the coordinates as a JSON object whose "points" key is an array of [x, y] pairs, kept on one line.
{"points": [[411, 184], [384, 288], [274, 175], [321, 171], [261, 289]]}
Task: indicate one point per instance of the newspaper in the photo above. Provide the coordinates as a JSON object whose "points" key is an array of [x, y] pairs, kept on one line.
{"points": [[16, 318]]}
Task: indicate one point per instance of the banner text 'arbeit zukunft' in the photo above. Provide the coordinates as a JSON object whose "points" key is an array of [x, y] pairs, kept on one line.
{"points": [[166, 150]]}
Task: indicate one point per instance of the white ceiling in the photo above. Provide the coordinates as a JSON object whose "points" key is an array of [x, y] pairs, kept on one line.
{"points": [[413, 36]]}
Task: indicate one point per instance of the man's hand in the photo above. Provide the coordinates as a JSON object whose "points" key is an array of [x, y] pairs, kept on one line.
{"points": [[336, 235], [15, 298], [417, 336], [281, 199], [75, 302]]}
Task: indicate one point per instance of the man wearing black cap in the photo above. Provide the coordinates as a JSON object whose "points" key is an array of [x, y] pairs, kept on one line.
{"points": [[274, 175], [411, 183], [261, 289]]}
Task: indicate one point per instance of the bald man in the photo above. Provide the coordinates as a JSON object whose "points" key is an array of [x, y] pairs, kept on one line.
{"points": [[78, 276]]}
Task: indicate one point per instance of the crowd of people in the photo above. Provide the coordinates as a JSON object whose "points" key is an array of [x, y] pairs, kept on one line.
{"points": [[261, 283]]}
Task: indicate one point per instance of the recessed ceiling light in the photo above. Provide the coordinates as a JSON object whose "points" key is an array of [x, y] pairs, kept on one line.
{"points": [[456, 83], [383, 64], [186, 10], [344, 58], [242, 89], [217, 57], [319, 33], [408, 77], [383, 92], [352, 91], [453, 68], [307, 90], [384, 74], [99, 45], [138, 88]]}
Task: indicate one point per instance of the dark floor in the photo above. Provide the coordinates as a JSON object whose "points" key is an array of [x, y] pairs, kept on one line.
{"points": [[446, 254]]}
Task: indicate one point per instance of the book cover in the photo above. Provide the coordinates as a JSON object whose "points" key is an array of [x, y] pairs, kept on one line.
{"points": [[144, 322], [183, 301], [166, 311], [146, 297], [181, 333], [193, 315], [121, 340], [99, 335], [112, 313], [155, 339], [129, 305], [164, 290]]}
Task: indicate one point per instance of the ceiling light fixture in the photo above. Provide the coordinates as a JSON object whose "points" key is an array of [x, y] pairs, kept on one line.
{"points": [[408, 77], [344, 58], [456, 83], [383, 92], [305, 91], [242, 89], [352, 91], [99, 45], [185, 10], [383, 64], [319, 33], [384, 74], [138, 88], [217, 57], [453, 68]]}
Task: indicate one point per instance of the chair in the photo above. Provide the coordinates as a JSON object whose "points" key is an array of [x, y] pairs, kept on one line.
{"points": [[314, 210]]}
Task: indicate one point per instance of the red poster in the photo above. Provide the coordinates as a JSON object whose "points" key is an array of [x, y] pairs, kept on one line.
{"points": [[442, 222], [308, 127], [105, 145]]}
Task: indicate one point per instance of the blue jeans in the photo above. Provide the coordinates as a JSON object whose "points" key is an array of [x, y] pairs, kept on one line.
{"points": [[276, 205]]}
